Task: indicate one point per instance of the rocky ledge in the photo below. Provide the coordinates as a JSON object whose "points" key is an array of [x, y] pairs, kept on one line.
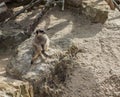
{"points": [[14, 88]]}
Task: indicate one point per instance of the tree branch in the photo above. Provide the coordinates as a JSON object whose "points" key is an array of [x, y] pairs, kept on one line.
{"points": [[31, 4], [33, 25]]}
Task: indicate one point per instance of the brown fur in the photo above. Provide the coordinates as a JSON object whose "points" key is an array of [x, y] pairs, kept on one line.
{"points": [[40, 44]]}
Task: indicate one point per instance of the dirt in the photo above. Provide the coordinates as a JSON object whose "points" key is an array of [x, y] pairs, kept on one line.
{"points": [[99, 62]]}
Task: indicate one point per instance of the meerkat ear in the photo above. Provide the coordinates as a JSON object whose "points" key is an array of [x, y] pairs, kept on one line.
{"points": [[41, 31]]}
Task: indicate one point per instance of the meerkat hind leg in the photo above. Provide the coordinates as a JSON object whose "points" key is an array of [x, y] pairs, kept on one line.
{"points": [[38, 53], [45, 48]]}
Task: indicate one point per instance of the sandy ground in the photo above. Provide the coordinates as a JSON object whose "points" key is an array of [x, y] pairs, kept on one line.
{"points": [[101, 59]]}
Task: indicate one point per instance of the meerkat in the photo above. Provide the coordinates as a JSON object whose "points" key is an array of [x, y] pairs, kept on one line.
{"points": [[40, 44]]}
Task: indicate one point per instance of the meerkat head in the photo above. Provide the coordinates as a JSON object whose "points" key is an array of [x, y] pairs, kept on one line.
{"points": [[40, 32]]}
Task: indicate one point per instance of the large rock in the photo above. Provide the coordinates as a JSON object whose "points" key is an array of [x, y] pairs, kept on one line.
{"points": [[12, 39], [96, 10], [14, 88], [20, 66]]}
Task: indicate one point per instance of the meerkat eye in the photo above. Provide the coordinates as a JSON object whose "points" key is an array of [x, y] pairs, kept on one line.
{"points": [[37, 32], [41, 31]]}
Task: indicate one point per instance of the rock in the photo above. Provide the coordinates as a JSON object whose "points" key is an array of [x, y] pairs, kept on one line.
{"points": [[14, 88], [42, 75], [4, 12], [96, 10], [20, 66], [11, 40], [74, 3], [23, 67]]}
